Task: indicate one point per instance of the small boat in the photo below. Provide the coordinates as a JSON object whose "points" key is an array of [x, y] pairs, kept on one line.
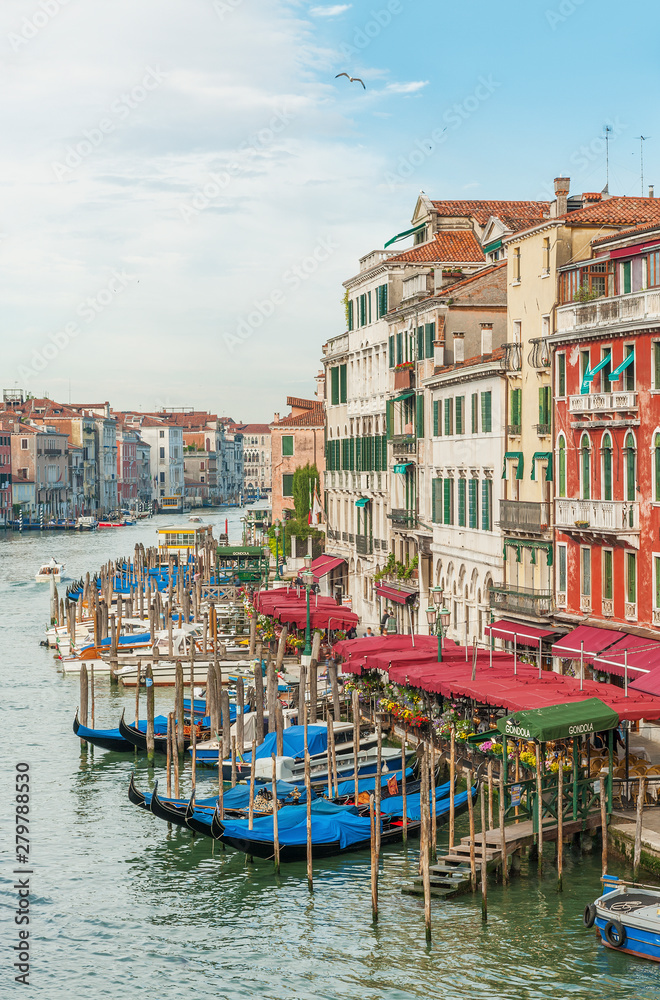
{"points": [[110, 524], [627, 917], [86, 523], [112, 739], [51, 570], [137, 738], [196, 518]]}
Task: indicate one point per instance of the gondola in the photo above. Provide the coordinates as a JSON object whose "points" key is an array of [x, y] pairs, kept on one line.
{"points": [[330, 836], [136, 796], [113, 739], [138, 738], [170, 811]]}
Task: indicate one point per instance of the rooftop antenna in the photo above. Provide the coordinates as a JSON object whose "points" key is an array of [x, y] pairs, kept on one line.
{"points": [[642, 140], [607, 129]]}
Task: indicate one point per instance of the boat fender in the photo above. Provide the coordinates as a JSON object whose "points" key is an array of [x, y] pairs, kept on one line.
{"points": [[589, 915], [615, 933]]}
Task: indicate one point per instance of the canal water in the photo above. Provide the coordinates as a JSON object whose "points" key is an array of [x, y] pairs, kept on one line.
{"points": [[121, 908]]}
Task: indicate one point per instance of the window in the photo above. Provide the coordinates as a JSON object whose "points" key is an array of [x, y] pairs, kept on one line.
{"points": [[517, 331], [349, 314], [516, 264], [287, 485], [515, 402], [436, 501], [419, 416], [24, 443], [473, 487], [545, 257], [369, 305], [399, 348], [460, 407], [585, 467], [607, 467], [334, 386], [475, 413], [449, 429], [653, 269], [631, 578], [437, 430], [544, 409], [381, 301], [162, 454], [585, 571], [162, 477], [608, 585], [287, 445], [585, 360], [429, 337], [630, 452], [448, 501], [629, 370], [625, 277], [486, 405], [561, 569], [656, 582], [391, 351], [561, 374], [486, 504], [362, 303], [461, 502], [656, 468], [656, 365], [420, 342]]}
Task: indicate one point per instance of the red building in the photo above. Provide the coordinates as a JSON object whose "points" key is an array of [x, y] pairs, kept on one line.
{"points": [[606, 369], [5, 474]]}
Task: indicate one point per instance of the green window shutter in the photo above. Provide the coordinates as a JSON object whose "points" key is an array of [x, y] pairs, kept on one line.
{"points": [[561, 568], [631, 462], [436, 501], [656, 364], [626, 277], [472, 502], [342, 384], [344, 453], [447, 500], [350, 314], [561, 374], [384, 287], [544, 404], [287, 485], [449, 416], [287, 445], [389, 414], [377, 454], [656, 562], [631, 575], [515, 406], [562, 469], [391, 359], [607, 473], [429, 336], [399, 348], [436, 417], [475, 413], [461, 502], [419, 417], [607, 575], [369, 305], [334, 386], [486, 415], [460, 402], [420, 342], [656, 468], [486, 491], [358, 455], [328, 456], [351, 454], [585, 459]]}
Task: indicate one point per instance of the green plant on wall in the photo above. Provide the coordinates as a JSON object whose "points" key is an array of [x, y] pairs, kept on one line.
{"points": [[345, 304], [394, 568]]}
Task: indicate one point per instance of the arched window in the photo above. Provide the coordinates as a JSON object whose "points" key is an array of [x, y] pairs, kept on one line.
{"points": [[656, 467], [585, 468], [607, 467], [561, 466], [631, 467]]}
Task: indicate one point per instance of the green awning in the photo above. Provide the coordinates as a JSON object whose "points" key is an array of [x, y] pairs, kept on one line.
{"points": [[407, 232], [588, 376], [542, 456], [560, 722], [404, 395], [628, 360], [402, 466], [362, 502], [516, 456], [491, 247]]}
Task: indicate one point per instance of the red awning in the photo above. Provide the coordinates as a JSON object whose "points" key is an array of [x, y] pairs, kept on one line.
{"points": [[642, 655], [324, 564], [648, 683], [395, 594], [526, 635], [595, 641]]}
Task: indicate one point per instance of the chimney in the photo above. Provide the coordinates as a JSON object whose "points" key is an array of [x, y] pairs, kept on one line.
{"points": [[459, 347], [651, 194], [276, 418], [562, 187], [486, 338]]}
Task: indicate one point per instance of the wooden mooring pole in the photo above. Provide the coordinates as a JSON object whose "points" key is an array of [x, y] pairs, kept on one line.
{"points": [[501, 805], [404, 798], [484, 862], [308, 801], [539, 806], [637, 856], [473, 866], [560, 825], [603, 824], [374, 859], [452, 779], [149, 681], [276, 839]]}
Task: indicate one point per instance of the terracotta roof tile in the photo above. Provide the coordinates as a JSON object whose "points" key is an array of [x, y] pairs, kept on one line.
{"points": [[449, 245], [483, 210], [298, 401], [314, 417], [462, 282], [479, 359], [254, 428], [619, 210], [626, 233]]}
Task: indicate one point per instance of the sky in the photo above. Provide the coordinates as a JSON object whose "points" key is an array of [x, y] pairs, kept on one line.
{"points": [[185, 185]]}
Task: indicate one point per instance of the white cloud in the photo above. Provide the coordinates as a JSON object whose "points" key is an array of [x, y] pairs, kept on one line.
{"points": [[332, 11], [406, 88]]}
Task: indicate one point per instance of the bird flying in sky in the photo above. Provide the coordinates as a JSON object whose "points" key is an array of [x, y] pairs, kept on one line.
{"points": [[353, 79]]}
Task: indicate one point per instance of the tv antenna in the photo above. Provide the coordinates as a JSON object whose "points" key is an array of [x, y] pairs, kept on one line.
{"points": [[607, 129], [642, 140]]}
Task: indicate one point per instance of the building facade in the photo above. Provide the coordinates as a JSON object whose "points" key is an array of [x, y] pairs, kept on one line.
{"points": [[256, 460], [296, 440]]}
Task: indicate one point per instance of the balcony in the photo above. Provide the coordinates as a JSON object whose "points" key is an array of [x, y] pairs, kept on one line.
{"points": [[602, 402], [520, 600], [404, 378], [404, 444], [52, 451], [543, 430], [403, 518], [513, 357], [513, 430], [638, 309], [363, 545], [598, 519], [539, 355], [524, 516]]}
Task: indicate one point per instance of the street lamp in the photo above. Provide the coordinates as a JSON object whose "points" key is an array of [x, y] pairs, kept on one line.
{"points": [[276, 529], [308, 579], [437, 617]]}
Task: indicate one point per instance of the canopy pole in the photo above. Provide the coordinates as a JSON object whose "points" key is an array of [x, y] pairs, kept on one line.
{"points": [[581, 664], [625, 672], [539, 659], [515, 654]]}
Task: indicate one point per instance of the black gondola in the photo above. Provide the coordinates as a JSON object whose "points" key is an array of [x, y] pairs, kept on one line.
{"points": [[136, 796], [139, 739], [107, 739], [167, 810]]}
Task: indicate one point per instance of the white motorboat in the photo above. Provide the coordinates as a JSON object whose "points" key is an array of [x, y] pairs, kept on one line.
{"points": [[51, 570]]}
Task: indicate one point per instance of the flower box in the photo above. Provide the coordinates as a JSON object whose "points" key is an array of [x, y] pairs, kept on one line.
{"points": [[404, 378]]}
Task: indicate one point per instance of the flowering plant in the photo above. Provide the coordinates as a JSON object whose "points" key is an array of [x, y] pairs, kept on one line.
{"points": [[527, 757], [404, 366]]}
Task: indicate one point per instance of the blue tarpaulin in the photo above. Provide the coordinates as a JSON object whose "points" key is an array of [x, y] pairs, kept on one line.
{"points": [[394, 805], [366, 784], [330, 823], [294, 743]]}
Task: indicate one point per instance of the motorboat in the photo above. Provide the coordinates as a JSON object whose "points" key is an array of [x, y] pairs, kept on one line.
{"points": [[627, 917], [52, 570]]}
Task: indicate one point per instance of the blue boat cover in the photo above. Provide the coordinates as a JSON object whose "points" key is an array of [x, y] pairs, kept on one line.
{"points": [[330, 823], [160, 728], [294, 742], [124, 640], [239, 796], [394, 805], [367, 784]]}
